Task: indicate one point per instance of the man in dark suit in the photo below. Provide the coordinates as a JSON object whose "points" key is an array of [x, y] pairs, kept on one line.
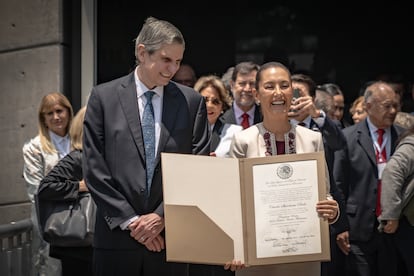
{"points": [[357, 171], [129, 233], [244, 110], [309, 115]]}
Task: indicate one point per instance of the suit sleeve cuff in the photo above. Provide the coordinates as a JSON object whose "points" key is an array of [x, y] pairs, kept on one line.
{"points": [[124, 225], [320, 120], [335, 219]]}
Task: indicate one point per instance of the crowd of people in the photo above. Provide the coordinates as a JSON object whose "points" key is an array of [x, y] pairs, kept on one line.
{"points": [[112, 149]]}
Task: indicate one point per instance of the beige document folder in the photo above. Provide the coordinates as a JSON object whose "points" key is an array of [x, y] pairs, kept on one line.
{"points": [[257, 210]]}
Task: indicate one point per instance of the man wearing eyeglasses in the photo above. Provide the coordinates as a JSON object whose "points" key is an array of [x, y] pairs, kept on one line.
{"points": [[357, 172], [244, 110]]}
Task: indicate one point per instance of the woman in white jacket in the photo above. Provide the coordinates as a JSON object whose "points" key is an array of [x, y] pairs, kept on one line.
{"points": [[40, 155], [274, 136]]}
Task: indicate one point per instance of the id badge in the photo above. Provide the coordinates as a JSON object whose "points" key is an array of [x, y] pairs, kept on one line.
{"points": [[381, 167]]}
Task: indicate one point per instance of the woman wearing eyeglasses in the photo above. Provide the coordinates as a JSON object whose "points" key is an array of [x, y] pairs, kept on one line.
{"points": [[217, 101]]}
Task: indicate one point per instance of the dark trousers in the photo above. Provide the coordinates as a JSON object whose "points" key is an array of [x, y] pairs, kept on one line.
{"points": [[136, 262], [337, 265], [209, 270], [376, 257], [75, 260], [74, 266], [404, 240]]}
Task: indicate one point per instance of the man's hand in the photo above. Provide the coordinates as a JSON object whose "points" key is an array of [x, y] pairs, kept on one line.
{"points": [[155, 245], [146, 228], [342, 240], [303, 107], [391, 226]]}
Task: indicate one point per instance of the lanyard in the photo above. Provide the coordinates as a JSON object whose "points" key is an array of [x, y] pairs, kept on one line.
{"points": [[380, 148]]}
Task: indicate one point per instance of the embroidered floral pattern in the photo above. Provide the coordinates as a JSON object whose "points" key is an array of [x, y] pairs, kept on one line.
{"points": [[270, 140]]}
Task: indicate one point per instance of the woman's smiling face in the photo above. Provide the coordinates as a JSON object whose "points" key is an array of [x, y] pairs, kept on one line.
{"points": [[275, 91]]}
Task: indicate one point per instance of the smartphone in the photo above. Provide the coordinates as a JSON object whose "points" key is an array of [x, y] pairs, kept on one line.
{"points": [[296, 93]]}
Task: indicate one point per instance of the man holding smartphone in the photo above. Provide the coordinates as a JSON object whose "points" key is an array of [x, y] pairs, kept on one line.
{"points": [[306, 114], [304, 111]]}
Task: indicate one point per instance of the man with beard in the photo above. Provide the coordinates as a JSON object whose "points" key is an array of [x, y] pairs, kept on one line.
{"points": [[244, 110]]}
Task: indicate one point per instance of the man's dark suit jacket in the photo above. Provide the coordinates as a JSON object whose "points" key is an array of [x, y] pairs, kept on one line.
{"points": [[333, 140], [356, 175], [215, 135], [229, 117], [114, 157]]}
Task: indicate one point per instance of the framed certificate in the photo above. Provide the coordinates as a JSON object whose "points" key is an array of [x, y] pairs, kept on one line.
{"points": [[257, 210]]}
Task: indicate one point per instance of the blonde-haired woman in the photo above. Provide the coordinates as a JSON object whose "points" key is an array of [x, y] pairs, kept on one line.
{"points": [[76, 129], [40, 154], [65, 182]]}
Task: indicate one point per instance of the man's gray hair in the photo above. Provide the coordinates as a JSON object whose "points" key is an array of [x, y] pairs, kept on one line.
{"points": [[155, 33]]}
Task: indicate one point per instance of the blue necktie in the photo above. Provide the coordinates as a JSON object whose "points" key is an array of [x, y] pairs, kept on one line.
{"points": [[148, 130]]}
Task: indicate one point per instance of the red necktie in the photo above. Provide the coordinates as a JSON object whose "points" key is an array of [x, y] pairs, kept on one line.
{"points": [[245, 121], [381, 158]]}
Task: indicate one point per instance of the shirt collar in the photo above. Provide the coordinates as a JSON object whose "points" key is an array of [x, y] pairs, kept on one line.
{"points": [[307, 121], [373, 129], [238, 112], [141, 88], [56, 139], [62, 144]]}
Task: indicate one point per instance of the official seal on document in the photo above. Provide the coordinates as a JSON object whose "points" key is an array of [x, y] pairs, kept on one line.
{"points": [[284, 171]]}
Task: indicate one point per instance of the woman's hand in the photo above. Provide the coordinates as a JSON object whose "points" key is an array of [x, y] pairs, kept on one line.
{"points": [[234, 265], [328, 209], [82, 186]]}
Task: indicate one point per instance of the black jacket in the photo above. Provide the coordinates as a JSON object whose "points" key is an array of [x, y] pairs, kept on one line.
{"points": [[62, 183]]}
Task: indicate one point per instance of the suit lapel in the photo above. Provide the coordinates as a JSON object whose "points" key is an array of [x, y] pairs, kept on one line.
{"points": [[257, 114], [170, 109], [128, 98], [215, 134], [365, 140], [229, 117]]}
